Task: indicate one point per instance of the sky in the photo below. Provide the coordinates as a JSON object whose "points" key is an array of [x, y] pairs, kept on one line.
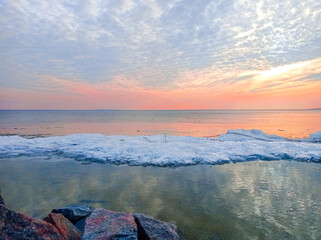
{"points": [[160, 54]]}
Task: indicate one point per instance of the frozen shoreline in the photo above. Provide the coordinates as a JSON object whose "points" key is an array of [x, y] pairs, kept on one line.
{"points": [[161, 150]]}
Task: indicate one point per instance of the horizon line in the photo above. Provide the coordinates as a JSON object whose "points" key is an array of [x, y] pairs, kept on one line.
{"points": [[195, 109]]}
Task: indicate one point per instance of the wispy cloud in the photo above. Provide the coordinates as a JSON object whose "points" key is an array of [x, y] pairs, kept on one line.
{"points": [[282, 78], [274, 81]]}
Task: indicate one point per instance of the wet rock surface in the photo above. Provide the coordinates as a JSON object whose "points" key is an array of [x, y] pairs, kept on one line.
{"points": [[74, 212], [64, 226], [106, 224], [150, 228]]}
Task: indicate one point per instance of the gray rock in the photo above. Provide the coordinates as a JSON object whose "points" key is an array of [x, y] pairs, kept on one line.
{"points": [[74, 212], [81, 224], [153, 229], [109, 225]]}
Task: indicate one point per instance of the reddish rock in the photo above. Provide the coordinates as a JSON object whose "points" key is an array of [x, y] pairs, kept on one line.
{"points": [[153, 229], [104, 224], [17, 226], [64, 226]]}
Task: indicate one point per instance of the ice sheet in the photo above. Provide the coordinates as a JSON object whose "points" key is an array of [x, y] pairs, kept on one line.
{"points": [[161, 150]]}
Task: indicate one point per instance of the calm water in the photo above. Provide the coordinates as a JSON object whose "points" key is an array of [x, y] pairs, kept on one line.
{"points": [[255, 200], [288, 123]]}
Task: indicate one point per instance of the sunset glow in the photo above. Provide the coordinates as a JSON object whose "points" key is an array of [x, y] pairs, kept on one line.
{"points": [[160, 55]]}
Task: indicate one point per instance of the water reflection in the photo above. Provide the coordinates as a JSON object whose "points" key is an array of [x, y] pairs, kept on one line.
{"points": [[256, 200], [200, 123]]}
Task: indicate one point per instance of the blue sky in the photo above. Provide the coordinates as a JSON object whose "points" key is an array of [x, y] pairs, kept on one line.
{"points": [[150, 45]]}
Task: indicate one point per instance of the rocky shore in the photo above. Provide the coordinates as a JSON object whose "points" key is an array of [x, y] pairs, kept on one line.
{"points": [[75, 222]]}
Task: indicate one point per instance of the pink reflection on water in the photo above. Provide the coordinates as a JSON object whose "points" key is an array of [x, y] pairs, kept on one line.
{"points": [[292, 124]]}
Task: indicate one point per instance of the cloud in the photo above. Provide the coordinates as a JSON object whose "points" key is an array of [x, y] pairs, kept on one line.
{"points": [[312, 77], [158, 45], [295, 78], [282, 78], [119, 84]]}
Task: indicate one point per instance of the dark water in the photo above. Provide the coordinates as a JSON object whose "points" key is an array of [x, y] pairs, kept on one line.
{"points": [[254, 200], [288, 123]]}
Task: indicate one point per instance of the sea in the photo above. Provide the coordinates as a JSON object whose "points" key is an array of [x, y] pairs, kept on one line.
{"points": [[198, 123], [216, 174]]}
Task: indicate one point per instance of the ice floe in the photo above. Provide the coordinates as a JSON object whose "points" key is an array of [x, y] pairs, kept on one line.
{"points": [[161, 150]]}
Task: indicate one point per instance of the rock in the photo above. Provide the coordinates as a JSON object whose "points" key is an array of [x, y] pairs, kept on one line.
{"points": [[150, 228], [74, 212], [81, 225], [17, 226], [64, 226], [1, 199], [110, 225]]}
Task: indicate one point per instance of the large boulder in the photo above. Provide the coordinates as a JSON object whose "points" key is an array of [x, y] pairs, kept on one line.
{"points": [[74, 212], [17, 226], [110, 225], [153, 229], [64, 226]]}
